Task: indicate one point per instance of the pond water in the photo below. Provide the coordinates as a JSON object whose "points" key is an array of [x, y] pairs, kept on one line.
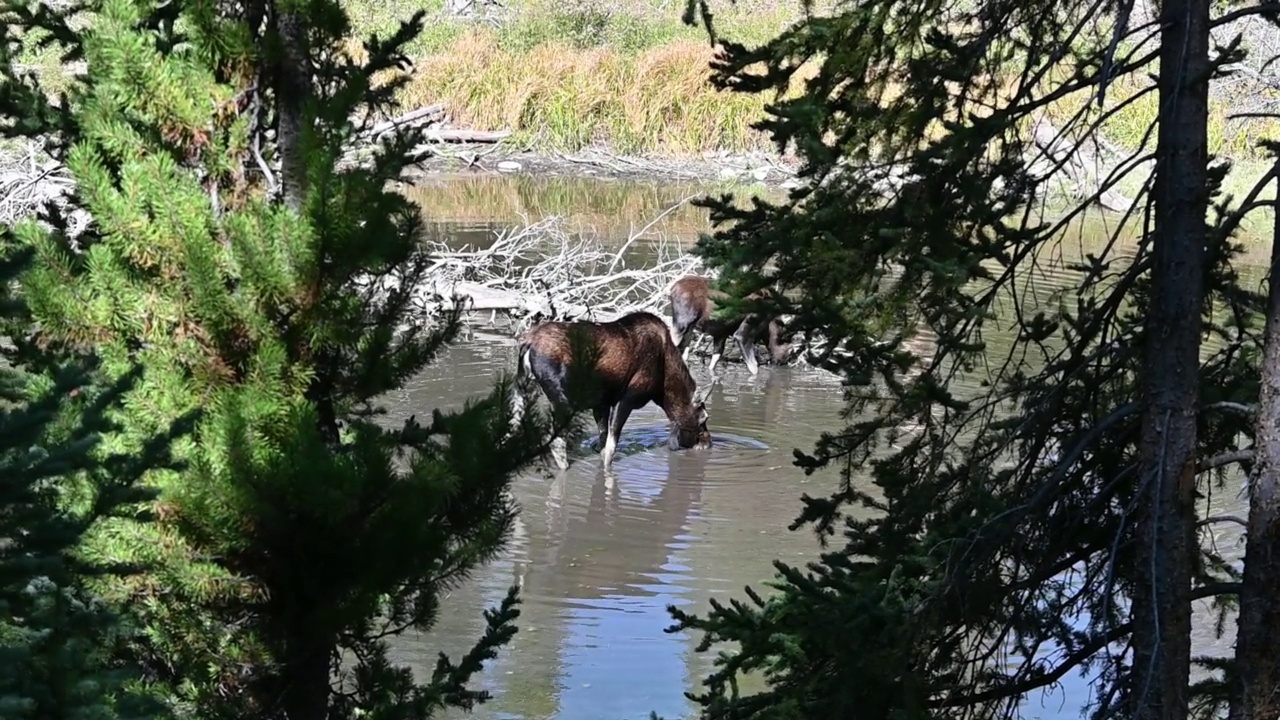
{"points": [[600, 561]]}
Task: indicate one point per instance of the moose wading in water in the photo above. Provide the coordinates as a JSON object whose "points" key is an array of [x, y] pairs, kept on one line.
{"points": [[692, 304], [636, 363]]}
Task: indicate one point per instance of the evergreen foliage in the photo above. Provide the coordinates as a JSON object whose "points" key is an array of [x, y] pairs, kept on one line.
{"points": [[994, 552], [54, 488], [301, 530]]}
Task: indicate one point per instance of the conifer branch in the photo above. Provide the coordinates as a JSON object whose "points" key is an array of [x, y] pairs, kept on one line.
{"points": [[1222, 460]]}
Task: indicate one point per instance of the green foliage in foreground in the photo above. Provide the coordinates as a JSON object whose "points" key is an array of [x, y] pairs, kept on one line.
{"points": [[55, 487], [300, 530]]}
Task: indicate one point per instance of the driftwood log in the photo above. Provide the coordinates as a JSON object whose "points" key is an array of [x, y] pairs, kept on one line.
{"points": [[432, 120]]}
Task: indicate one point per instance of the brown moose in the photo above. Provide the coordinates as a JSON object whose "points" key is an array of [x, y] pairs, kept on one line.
{"points": [[692, 304], [637, 363]]}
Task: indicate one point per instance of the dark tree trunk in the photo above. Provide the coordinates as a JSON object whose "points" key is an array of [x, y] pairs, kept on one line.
{"points": [[305, 676], [1257, 694], [292, 86], [1165, 530], [306, 682]]}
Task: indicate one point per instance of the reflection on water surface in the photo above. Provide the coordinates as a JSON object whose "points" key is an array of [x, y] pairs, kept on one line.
{"points": [[600, 559]]}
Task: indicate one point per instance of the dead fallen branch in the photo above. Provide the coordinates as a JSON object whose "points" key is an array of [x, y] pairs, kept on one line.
{"points": [[29, 179], [542, 271]]}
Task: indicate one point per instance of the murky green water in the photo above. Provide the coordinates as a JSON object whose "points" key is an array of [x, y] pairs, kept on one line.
{"points": [[598, 561]]}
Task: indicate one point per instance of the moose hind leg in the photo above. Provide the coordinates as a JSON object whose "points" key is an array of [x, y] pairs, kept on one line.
{"points": [[617, 418], [683, 338], [778, 350]]}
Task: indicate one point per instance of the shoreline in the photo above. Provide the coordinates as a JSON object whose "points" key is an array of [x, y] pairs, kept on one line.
{"points": [[742, 173], [738, 170], [746, 172]]}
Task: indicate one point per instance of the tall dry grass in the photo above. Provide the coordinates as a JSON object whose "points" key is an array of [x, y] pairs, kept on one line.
{"points": [[570, 73], [657, 100]]}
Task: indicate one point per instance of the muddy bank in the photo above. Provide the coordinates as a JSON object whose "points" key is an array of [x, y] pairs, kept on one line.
{"points": [[720, 168]]}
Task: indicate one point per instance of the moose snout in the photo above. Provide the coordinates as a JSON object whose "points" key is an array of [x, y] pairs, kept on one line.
{"points": [[686, 440]]}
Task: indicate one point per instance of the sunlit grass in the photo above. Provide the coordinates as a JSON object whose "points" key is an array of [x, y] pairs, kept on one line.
{"points": [[565, 74], [554, 95], [630, 75]]}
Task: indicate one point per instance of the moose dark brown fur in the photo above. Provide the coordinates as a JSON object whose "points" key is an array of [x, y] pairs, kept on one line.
{"points": [[693, 300], [637, 363]]}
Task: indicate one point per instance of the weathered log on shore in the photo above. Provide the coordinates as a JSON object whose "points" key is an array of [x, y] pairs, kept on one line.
{"points": [[432, 120], [453, 135], [422, 117], [483, 298]]}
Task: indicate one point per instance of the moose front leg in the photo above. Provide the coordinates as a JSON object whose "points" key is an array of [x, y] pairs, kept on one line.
{"points": [[617, 418], [746, 343], [560, 453], [717, 352], [602, 424]]}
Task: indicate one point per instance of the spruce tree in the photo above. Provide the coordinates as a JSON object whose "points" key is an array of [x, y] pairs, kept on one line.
{"points": [[55, 634], [260, 282]]}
